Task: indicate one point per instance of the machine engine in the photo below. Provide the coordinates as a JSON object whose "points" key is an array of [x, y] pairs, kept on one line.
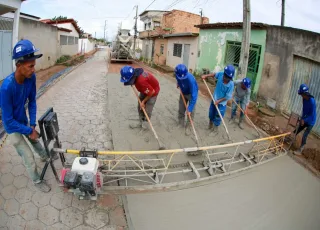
{"points": [[83, 179]]}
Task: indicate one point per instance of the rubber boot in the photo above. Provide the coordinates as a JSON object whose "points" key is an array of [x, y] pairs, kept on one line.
{"points": [[299, 151], [187, 130], [210, 126], [144, 125], [241, 123], [232, 120], [181, 122]]}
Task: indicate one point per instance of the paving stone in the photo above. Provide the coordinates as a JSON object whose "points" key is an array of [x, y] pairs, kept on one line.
{"points": [[3, 219], [107, 201], [7, 179], [108, 145], [96, 145], [61, 200], [83, 227], [5, 168], [54, 185], [57, 226], [82, 205], [20, 181], [31, 186], [48, 215], [109, 227], [24, 195], [5, 158], [41, 199], [16, 223], [18, 170], [2, 201], [11, 207], [16, 160], [8, 192], [96, 218], [117, 217], [71, 217], [28, 211], [35, 225]]}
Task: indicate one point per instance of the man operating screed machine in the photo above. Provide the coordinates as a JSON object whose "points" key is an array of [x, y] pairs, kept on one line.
{"points": [[16, 89]]}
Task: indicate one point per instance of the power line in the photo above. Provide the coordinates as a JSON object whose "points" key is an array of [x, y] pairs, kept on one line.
{"points": [[149, 5]]}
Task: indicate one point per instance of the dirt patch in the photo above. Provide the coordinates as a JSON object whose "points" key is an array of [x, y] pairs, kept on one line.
{"points": [[313, 157], [46, 74]]}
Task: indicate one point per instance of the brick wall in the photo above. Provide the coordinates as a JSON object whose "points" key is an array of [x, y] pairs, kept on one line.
{"points": [[182, 22], [160, 59]]}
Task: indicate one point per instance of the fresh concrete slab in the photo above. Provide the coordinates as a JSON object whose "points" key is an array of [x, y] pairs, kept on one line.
{"points": [[278, 195]]}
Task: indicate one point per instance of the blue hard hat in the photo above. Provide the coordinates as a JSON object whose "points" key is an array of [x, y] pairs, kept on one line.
{"points": [[303, 89], [126, 73], [24, 51], [181, 71], [229, 71], [247, 82]]}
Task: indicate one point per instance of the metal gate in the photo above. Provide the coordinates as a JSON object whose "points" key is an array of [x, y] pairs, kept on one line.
{"points": [[233, 57], [6, 27], [5, 54], [308, 72]]}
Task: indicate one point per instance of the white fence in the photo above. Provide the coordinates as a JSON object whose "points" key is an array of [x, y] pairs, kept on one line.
{"points": [[85, 46]]}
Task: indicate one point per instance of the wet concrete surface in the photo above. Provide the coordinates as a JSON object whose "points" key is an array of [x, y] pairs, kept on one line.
{"points": [[278, 195]]}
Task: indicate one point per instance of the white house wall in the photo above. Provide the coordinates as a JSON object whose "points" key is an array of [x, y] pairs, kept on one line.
{"points": [[172, 61], [85, 46], [147, 54], [44, 37], [68, 49]]}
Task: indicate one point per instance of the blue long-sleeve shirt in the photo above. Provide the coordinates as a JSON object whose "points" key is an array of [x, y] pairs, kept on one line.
{"points": [[13, 99], [189, 86], [309, 113], [223, 90]]}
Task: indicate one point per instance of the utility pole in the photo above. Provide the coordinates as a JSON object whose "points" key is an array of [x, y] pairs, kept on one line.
{"points": [[201, 16], [245, 45], [104, 31], [283, 6], [135, 30]]}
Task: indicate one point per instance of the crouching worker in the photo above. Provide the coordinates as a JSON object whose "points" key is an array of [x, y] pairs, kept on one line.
{"points": [[189, 87], [149, 88], [16, 89], [222, 93], [309, 115], [242, 98]]}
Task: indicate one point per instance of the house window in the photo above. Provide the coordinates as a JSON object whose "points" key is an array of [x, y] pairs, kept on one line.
{"points": [[76, 40], [161, 48], [156, 24], [70, 40], [145, 26], [149, 25], [177, 50], [63, 40]]}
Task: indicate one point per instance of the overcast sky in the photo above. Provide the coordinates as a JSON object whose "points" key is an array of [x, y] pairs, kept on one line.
{"points": [[91, 14]]}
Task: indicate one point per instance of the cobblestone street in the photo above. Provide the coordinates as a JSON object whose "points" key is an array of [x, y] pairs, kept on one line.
{"points": [[80, 99]]}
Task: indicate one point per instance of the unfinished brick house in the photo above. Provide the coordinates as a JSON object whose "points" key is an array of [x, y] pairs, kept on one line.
{"points": [[170, 38]]}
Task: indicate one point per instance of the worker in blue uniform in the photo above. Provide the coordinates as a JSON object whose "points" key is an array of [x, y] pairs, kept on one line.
{"points": [[222, 93], [308, 118], [189, 87], [16, 89]]}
